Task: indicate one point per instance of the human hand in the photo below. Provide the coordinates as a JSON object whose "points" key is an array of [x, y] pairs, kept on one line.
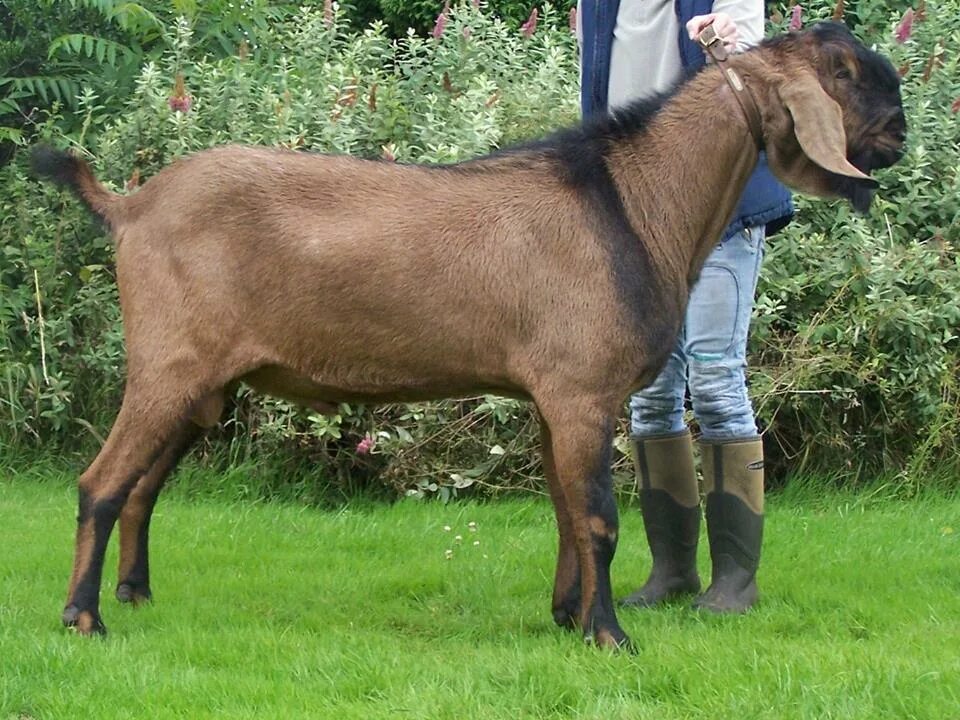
{"points": [[723, 26]]}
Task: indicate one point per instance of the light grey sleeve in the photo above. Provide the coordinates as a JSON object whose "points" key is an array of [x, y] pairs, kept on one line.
{"points": [[748, 16], [579, 27]]}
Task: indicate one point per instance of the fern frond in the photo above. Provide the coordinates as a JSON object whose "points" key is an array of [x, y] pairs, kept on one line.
{"points": [[136, 18], [46, 87], [104, 7], [128, 16], [90, 46]]}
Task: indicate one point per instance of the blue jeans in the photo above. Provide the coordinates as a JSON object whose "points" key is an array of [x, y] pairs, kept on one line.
{"points": [[711, 352]]}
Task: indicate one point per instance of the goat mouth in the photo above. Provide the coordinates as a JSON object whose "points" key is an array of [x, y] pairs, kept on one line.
{"points": [[882, 146], [881, 153], [888, 154]]}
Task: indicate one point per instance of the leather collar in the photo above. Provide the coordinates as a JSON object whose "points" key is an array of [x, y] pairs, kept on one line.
{"points": [[713, 46]]}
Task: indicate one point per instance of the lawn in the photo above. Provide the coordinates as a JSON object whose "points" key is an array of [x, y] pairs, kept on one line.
{"points": [[272, 610]]}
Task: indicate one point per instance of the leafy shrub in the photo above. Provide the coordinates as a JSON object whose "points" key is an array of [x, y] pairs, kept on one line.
{"points": [[52, 48], [49, 50], [421, 15], [61, 347], [855, 350], [29, 76], [314, 86]]}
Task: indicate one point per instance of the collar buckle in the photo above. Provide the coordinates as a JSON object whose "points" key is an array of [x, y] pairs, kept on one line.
{"points": [[712, 44]]}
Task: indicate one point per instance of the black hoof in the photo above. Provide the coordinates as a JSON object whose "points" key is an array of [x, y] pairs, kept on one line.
{"points": [[565, 618], [133, 593], [566, 610], [84, 622], [610, 638]]}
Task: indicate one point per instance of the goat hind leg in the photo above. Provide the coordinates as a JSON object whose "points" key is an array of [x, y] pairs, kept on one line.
{"points": [[581, 435], [133, 576], [144, 426]]}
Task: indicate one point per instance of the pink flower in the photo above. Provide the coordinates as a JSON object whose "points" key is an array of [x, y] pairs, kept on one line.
{"points": [[904, 27], [441, 23], [530, 26], [573, 19], [328, 12], [180, 103], [796, 18], [366, 445], [467, 32], [476, 4], [956, 106]]}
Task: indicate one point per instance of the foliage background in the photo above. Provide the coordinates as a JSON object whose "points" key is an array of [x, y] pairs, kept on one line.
{"points": [[855, 345], [854, 350]]}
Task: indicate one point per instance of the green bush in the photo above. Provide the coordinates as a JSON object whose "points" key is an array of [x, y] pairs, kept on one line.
{"points": [[854, 348], [314, 86], [50, 49], [421, 15]]}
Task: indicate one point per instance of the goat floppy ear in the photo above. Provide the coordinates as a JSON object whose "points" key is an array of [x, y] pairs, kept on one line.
{"points": [[818, 126]]}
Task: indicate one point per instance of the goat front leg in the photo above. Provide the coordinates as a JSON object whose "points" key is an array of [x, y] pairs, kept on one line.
{"points": [[133, 576], [580, 437], [566, 584], [142, 429]]}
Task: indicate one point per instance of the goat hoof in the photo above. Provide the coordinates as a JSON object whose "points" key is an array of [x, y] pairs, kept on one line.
{"points": [[567, 609], [565, 619], [133, 593], [84, 622], [566, 614], [612, 638]]}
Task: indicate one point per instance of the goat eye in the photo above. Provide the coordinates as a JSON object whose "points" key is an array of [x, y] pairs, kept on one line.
{"points": [[842, 74]]}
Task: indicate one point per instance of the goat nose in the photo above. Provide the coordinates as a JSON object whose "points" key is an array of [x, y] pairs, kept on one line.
{"points": [[896, 126], [898, 131]]}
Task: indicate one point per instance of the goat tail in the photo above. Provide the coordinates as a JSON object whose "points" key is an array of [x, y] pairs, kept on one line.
{"points": [[68, 170]]}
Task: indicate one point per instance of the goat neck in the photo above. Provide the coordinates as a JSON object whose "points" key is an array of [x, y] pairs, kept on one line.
{"points": [[681, 177]]}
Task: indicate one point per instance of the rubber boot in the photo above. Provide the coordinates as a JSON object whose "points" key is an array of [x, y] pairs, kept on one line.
{"points": [[733, 481], [670, 504]]}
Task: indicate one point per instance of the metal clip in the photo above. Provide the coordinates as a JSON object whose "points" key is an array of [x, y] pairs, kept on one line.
{"points": [[712, 44], [708, 36]]}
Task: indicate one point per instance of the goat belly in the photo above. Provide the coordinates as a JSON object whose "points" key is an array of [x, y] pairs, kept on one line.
{"points": [[320, 393]]}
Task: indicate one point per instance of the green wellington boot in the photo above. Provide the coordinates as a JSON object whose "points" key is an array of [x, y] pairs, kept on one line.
{"points": [[733, 482], [670, 504]]}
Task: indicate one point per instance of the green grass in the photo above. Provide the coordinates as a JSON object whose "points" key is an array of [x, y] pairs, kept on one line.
{"points": [[269, 610]]}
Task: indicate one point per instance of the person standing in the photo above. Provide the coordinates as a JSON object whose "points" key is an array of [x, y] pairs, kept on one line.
{"points": [[632, 49]]}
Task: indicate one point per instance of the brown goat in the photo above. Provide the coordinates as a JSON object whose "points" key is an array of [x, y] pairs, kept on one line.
{"points": [[556, 272]]}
